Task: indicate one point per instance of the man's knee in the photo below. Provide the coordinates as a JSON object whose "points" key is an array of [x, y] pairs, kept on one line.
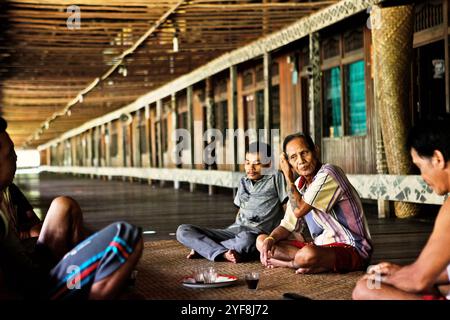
{"points": [[306, 256], [64, 205], [245, 242], [260, 240], [361, 290], [64, 202], [110, 287], [183, 231]]}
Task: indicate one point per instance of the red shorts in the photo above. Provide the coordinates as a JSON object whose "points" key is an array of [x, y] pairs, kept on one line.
{"points": [[347, 257], [433, 297]]}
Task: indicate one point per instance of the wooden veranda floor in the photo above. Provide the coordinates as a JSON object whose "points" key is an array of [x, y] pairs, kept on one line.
{"points": [[161, 209]]}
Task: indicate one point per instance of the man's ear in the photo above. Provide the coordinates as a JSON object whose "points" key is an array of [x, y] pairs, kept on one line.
{"points": [[437, 160]]}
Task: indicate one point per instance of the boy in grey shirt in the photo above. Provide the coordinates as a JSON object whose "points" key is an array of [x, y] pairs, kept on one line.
{"points": [[260, 198]]}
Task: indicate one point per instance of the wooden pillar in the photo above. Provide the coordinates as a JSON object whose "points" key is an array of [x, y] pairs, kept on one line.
{"points": [[91, 146], [130, 139], [383, 205], [190, 111], [124, 145], [314, 96], [72, 155], [159, 133], [108, 145], [174, 113], [159, 119], [234, 114], [83, 146], [392, 39], [148, 134], [209, 101], [108, 148], [97, 146], [103, 145], [137, 139], [48, 156], [267, 70]]}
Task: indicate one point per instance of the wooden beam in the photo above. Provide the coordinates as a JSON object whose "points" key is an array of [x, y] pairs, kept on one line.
{"points": [[296, 31]]}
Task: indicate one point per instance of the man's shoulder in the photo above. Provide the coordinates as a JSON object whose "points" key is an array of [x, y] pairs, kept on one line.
{"points": [[334, 170]]}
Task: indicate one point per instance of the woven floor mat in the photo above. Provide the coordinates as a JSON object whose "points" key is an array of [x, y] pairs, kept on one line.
{"points": [[164, 264]]}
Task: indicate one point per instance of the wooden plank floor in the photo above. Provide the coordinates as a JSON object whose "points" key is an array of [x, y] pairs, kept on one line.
{"points": [[162, 209]]}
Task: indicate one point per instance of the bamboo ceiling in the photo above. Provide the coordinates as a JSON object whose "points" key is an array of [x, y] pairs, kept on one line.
{"points": [[44, 64]]}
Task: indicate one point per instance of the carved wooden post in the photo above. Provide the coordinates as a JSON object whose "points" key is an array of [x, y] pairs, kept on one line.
{"points": [[392, 32]]}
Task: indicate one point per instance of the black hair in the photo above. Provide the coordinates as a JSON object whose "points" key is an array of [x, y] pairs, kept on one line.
{"points": [[264, 150], [430, 135], [304, 136], [3, 125]]}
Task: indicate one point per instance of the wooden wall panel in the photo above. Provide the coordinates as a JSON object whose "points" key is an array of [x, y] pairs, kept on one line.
{"points": [[352, 154], [288, 116]]}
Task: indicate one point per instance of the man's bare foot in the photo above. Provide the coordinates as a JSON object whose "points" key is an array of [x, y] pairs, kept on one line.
{"points": [[193, 255], [311, 270], [232, 256], [274, 263]]}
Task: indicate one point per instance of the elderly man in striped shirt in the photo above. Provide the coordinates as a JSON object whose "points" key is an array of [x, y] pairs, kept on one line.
{"points": [[331, 208]]}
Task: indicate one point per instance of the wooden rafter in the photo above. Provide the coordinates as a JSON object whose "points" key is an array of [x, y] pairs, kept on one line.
{"points": [[42, 62]]}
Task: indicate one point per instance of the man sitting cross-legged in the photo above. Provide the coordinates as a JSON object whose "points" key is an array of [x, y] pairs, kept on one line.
{"points": [[54, 260], [331, 208], [259, 197], [429, 276]]}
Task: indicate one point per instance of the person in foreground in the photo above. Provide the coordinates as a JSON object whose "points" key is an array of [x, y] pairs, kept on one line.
{"points": [[428, 276], [53, 260], [259, 197], [331, 208]]}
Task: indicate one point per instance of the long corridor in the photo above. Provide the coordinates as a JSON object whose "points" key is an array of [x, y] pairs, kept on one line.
{"points": [[159, 210]]}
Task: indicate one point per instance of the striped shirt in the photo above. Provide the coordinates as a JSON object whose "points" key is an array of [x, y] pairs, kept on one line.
{"points": [[8, 210], [337, 214]]}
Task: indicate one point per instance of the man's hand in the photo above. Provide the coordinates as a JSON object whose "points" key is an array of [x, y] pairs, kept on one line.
{"points": [[286, 168], [383, 268], [34, 231], [266, 251]]}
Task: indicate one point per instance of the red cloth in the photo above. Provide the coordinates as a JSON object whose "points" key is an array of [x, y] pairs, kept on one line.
{"points": [[347, 257], [432, 297]]}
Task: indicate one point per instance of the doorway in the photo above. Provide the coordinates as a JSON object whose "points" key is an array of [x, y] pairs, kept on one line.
{"points": [[429, 80]]}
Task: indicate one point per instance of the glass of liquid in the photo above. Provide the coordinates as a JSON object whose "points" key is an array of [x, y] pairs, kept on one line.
{"points": [[252, 279]]}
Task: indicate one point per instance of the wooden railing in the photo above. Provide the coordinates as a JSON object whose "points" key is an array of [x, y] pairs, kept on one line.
{"points": [[410, 188]]}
